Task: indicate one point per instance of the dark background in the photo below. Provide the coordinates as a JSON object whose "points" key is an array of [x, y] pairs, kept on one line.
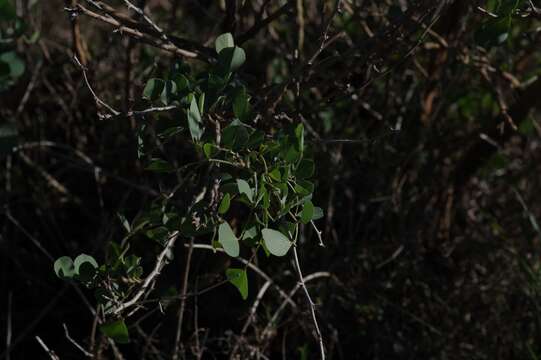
{"points": [[423, 117]]}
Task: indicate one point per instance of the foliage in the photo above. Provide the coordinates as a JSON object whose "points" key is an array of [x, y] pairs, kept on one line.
{"points": [[280, 179]]}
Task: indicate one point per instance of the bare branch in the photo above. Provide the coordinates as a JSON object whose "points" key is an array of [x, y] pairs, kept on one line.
{"points": [[160, 263]]}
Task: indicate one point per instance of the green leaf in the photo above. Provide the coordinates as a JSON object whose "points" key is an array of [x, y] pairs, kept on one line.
{"points": [[169, 89], [160, 166], [85, 267], [292, 155], [250, 233], [318, 213], [304, 187], [224, 204], [305, 169], [276, 242], [307, 212], [194, 119], [63, 267], [181, 82], [240, 104], [239, 278], [224, 41], [201, 103], [116, 330], [15, 63], [244, 188], [299, 134], [275, 175], [235, 136], [230, 59], [207, 150], [153, 89], [229, 241]]}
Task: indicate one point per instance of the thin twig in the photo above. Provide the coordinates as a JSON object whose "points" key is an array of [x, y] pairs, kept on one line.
{"points": [[142, 112], [250, 33], [254, 268], [70, 339], [266, 331], [184, 290], [147, 19], [96, 98], [310, 302], [139, 34], [251, 317], [50, 352], [160, 263], [8, 326]]}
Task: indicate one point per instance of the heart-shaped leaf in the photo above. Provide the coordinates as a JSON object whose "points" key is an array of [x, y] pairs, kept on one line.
{"points": [[229, 241], [244, 188], [64, 268], [232, 58], [224, 41], [276, 242], [85, 267]]}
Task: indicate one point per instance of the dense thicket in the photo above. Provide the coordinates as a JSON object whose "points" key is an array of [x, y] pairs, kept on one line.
{"points": [[422, 118]]}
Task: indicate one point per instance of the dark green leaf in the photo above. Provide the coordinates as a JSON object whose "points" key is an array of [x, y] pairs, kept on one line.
{"points": [[153, 89], [224, 204], [275, 175], [240, 104], [208, 150], [159, 165], [239, 278], [14, 62], [299, 134], [307, 212], [305, 169], [116, 330]]}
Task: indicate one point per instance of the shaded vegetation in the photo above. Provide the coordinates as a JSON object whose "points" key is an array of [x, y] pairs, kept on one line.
{"points": [[403, 134]]}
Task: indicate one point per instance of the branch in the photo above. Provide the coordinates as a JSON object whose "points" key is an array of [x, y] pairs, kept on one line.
{"points": [[160, 263], [139, 34], [310, 302], [250, 33], [254, 268]]}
